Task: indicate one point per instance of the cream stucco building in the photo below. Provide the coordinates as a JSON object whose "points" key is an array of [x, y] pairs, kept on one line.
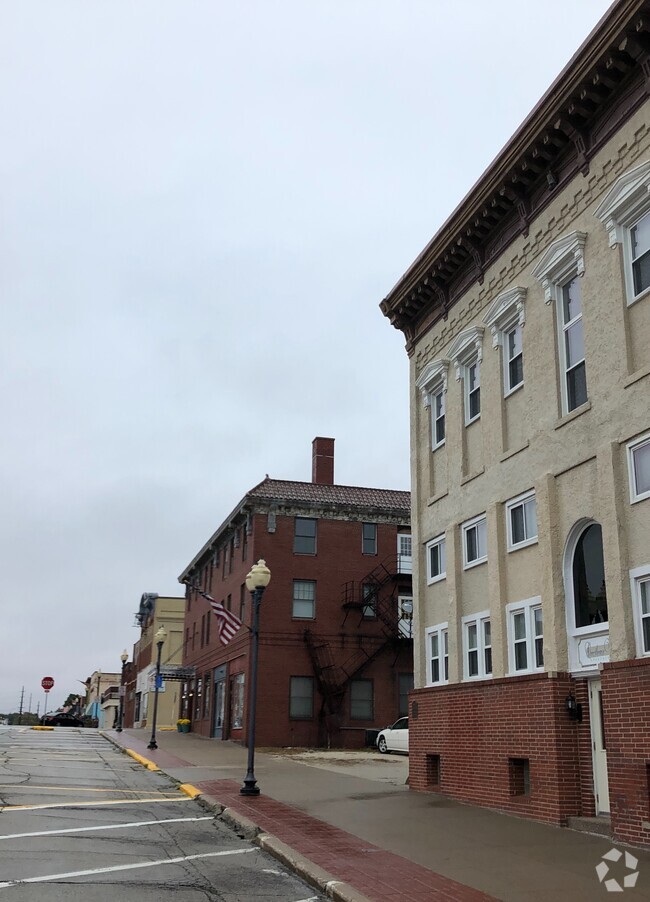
{"points": [[527, 320]]}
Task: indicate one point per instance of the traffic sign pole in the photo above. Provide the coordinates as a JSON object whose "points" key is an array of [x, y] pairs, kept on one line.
{"points": [[47, 683]]}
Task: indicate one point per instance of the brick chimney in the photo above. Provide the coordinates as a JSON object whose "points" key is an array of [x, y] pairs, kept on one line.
{"points": [[322, 461]]}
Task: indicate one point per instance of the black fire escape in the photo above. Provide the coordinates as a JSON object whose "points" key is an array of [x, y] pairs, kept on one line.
{"points": [[373, 599]]}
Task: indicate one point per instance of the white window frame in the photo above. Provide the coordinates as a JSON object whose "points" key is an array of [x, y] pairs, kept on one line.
{"points": [[303, 582], [479, 621], [632, 447], [468, 392], [440, 543], [638, 576], [438, 393], [432, 382], [441, 630], [404, 561], [527, 608], [465, 527], [624, 205], [562, 331], [466, 351], [507, 313], [562, 262], [520, 500]]}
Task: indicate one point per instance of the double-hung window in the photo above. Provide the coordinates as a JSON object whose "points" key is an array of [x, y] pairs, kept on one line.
{"points": [[513, 364], [436, 560], [477, 639], [521, 516], [362, 700], [437, 651], [466, 352], [474, 541], [304, 541], [301, 697], [638, 459], [304, 599], [559, 271], [437, 418], [525, 636], [472, 392], [369, 538], [432, 382], [505, 319], [369, 599], [640, 578], [572, 345], [625, 213]]}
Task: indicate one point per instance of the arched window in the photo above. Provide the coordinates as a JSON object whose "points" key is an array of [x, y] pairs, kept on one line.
{"points": [[589, 592]]}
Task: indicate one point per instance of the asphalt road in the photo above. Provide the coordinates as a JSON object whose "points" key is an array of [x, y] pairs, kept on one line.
{"points": [[82, 822]]}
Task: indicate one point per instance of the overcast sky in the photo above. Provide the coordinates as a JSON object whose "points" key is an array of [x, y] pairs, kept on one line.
{"points": [[202, 204]]}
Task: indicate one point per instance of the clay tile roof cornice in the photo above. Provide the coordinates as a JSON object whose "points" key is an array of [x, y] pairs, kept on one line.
{"points": [[552, 145], [309, 495], [314, 494]]}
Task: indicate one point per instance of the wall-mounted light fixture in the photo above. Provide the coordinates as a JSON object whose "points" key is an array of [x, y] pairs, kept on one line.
{"points": [[573, 707]]}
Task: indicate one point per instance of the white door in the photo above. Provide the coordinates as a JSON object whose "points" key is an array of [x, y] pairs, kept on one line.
{"points": [[599, 752], [404, 553]]}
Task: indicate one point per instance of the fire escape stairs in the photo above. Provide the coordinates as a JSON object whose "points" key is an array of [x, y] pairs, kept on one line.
{"points": [[377, 590]]}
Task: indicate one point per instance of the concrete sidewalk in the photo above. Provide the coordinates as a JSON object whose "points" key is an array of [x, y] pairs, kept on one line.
{"points": [[388, 843]]}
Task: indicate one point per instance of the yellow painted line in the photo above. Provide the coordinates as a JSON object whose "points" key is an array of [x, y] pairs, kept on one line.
{"points": [[142, 760], [29, 786], [9, 808], [190, 790], [42, 729]]}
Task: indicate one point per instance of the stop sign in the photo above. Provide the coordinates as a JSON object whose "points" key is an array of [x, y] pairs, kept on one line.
{"points": [[47, 683]]}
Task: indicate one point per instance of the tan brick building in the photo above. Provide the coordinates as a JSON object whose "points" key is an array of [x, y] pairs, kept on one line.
{"points": [[527, 319]]}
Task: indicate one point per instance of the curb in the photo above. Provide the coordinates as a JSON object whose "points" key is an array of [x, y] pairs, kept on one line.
{"points": [[142, 760], [300, 865], [245, 828], [42, 729]]}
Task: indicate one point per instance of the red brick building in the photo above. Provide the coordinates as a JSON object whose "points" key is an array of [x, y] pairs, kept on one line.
{"points": [[335, 653]]}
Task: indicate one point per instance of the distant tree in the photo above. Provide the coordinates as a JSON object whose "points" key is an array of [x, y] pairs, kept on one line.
{"points": [[72, 699], [26, 718]]}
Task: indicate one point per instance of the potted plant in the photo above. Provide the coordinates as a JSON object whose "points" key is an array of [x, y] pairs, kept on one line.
{"points": [[183, 725]]}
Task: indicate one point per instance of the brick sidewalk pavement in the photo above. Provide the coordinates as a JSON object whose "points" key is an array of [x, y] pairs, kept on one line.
{"points": [[376, 873]]}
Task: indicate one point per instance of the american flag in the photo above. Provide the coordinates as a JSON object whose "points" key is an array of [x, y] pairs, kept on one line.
{"points": [[227, 622]]}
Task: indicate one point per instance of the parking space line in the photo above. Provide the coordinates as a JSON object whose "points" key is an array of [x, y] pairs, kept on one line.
{"points": [[126, 867], [8, 809], [168, 820]]}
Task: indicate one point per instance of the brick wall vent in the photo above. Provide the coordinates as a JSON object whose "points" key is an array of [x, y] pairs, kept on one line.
{"points": [[433, 770], [519, 772]]}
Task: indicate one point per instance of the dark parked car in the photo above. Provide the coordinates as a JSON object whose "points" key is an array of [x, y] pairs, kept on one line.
{"points": [[61, 720]]}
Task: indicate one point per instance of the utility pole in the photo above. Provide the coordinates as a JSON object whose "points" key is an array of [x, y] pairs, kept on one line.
{"points": [[29, 706], [20, 710]]}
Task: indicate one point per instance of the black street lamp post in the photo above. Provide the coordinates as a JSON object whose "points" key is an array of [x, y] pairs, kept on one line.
{"points": [[124, 657], [256, 582], [160, 637]]}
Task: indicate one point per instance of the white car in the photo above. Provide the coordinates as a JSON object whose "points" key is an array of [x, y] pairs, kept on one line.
{"points": [[395, 738]]}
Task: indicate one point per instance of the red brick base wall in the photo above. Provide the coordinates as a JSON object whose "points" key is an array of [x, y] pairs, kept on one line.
{"points": [[626, 707], [505, 743]]}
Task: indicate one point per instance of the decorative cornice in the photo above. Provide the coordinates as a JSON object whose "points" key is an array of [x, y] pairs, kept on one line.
{"points": [[433, 375], [562, 259], [600, 88], [627, 196], [506, 310], [467, 345]]}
